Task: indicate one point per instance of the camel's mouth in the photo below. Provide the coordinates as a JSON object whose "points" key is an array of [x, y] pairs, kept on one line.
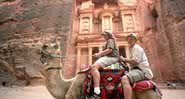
{"points": [[51, 67], [53, 55]]}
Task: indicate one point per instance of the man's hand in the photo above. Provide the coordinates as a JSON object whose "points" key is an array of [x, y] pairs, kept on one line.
{"points": [[97, 55], [123, 58]]}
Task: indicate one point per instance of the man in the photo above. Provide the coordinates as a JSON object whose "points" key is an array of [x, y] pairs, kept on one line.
{"points": [[140, 69], [106, 57]]}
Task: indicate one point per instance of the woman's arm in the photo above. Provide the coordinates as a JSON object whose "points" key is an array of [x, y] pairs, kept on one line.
{"points": [[105, 52], [109, 48], [102, 53]]}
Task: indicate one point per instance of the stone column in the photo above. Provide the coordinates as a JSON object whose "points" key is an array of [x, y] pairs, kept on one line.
{"points": [[111, 23], [91, 25], [123, 22], [80, 25], [78, 59], [103, 23], [90, 55], [127, 51], [100, 48], [134, 21]]}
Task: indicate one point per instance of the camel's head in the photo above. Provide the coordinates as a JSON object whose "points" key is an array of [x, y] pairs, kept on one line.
{"points": [[50, 55]]}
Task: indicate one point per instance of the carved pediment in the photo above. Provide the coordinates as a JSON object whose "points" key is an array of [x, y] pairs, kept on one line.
{"points": [[86, 4], [104, 1], [80, 1], [89, 38], [127, 2]]}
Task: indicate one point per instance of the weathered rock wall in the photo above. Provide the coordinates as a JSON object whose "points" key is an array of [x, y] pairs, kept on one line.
{"points": [[172, 20], [163, 37], [24, 26]]}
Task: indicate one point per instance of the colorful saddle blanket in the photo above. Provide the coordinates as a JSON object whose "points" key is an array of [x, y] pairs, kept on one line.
{"points": [[110, 84]]}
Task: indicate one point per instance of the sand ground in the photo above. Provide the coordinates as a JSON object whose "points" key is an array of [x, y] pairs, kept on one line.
{"points": [[30, 92], [40, 92]]}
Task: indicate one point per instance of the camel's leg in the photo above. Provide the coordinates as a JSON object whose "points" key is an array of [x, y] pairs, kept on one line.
{"points": [[149, 94], [75, 90], [134, 95]]}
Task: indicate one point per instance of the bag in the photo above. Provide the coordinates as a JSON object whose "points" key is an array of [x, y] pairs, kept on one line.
{"points": [[143, 85]]}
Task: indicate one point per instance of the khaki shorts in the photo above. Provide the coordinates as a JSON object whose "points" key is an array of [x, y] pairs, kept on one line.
{"points": [[105, 61], [135, 75]]}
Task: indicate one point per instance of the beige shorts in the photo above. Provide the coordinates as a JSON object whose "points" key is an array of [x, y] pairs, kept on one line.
{"points": [[105, 61], [135, 75]]}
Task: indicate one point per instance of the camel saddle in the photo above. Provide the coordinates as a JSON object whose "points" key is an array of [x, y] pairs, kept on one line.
{"points": [[110, 83]]}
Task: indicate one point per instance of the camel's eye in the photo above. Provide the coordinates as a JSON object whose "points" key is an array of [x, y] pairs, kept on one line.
{"points": [[56, 46], [44, 46]]}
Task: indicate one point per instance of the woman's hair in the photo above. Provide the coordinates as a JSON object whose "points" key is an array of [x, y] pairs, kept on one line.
{"points": [[110, 35]]}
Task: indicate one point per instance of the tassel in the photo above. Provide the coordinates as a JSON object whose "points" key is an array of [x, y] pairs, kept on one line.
{"points": [[103, 93], [121, 94]]}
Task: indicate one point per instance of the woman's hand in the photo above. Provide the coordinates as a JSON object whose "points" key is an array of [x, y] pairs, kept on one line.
{"points": [[97, 55]]}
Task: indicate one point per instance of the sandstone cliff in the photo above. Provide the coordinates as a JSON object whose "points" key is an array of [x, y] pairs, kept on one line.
{"points": [[24, 26], [163, 37]]}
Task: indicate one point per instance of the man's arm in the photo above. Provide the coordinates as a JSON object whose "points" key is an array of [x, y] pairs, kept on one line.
{"points": [[130, 61]]}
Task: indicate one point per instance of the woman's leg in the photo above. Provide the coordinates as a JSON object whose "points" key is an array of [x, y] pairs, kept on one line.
{"points": [[96, 77], [100, 63]]}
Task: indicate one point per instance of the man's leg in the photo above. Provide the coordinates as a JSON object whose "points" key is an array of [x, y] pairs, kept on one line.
{"points": [[96, 78], [127, 89]]}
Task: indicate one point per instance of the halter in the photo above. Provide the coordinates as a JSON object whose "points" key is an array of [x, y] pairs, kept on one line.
{"points": [[50, 55]]}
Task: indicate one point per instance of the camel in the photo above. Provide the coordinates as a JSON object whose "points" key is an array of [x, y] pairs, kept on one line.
{"points": [[61, 88]]}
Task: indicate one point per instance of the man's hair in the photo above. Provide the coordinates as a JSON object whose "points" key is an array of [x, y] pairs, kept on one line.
{"points": [[133, 35]]}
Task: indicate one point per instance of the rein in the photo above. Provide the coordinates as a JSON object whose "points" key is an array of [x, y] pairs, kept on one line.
{"points": [[50, 54], [53, 68]]}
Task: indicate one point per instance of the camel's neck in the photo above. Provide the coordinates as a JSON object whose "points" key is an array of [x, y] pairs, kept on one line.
{"points": [[55, 84], [53, 74], [54, 62]]}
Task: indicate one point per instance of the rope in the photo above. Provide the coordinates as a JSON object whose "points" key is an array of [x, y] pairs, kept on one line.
{"points": [[53, 68]]}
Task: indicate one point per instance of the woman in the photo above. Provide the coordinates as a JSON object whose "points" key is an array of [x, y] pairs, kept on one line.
{"points": [[106, 57]]}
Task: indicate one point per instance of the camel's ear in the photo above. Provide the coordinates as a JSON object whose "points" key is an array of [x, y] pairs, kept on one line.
{"points": [[38, 47], [57, 47]]}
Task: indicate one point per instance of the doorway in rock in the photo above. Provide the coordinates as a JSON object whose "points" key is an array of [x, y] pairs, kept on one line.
{"points": [[122, 51]]}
